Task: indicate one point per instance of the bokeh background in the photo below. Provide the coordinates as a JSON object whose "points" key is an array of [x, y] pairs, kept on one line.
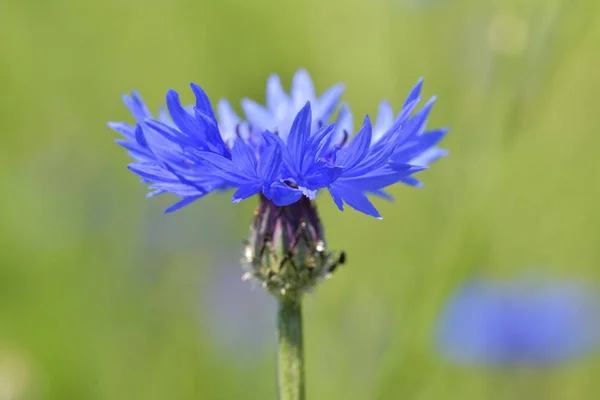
{"points": [[104, 297]]}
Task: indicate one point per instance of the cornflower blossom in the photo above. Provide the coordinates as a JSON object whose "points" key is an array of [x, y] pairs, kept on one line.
{"points": [[284, 153], [523, 322], [286, 150]]}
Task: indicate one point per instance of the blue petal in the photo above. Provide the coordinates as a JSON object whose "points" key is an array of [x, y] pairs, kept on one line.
{"points": [[211, 131], [223, 168], [420, 144], [352, 154], [203, 102], [345, 120], [316, 147], [136, 106], [414, 93], [320, 136], [379, 180], [257, 115], [139, 136], [245, 191], [354, 198], [385, 120], [344, 125], [327, 102], [135, 151], [231, 125], [398, 132], [277, 99], [178, 188], [153, 172], [407, 110], [168, 132], [243, 158], [325, 146], [411, 181], [184, 121], [417, 123], [374, 160], [299, 134], [183, 179], [407, 168], [273, 139], [337, 197], [320, 176], [382, 194], [228, 119], [127, 130], [406, 127], [358, 200], [269, 163], [429, 156], [303, 89], [281, 194], [155, 193], [163, 116], [182, 203]]}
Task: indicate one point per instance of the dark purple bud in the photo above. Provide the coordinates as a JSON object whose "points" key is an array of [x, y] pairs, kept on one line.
{"points": [[286, 251]]}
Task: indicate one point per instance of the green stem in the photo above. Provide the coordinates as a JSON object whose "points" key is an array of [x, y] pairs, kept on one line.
{"points": [[290, 352]]}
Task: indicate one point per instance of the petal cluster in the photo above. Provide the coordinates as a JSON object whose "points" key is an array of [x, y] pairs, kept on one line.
{"points": [[291, 148]]}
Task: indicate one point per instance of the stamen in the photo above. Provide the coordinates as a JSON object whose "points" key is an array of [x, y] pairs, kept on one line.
{"points": [[345, 139], [291, 184]]}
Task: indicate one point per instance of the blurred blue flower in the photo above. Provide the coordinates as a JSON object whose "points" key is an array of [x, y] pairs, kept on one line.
{"points": [[523, 322], [236, 315], [285, 151]]}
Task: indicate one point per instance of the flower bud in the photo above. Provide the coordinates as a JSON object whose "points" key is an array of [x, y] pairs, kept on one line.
{"points": [[286, 251]]}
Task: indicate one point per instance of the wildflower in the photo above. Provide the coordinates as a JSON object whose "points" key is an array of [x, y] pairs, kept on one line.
{"points": [[284, 153], [237, 317], [518, 323]]}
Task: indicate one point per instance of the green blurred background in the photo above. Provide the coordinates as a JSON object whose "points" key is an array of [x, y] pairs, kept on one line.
{"points": [[104, 297]]}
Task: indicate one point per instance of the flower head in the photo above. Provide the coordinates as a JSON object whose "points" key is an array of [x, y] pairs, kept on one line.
{"points": [[518, 323], [286, 151]]}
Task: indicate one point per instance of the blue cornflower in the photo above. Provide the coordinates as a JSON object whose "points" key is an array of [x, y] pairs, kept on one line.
{"points": [[284, 154], [518, 323], [286, 151]]}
